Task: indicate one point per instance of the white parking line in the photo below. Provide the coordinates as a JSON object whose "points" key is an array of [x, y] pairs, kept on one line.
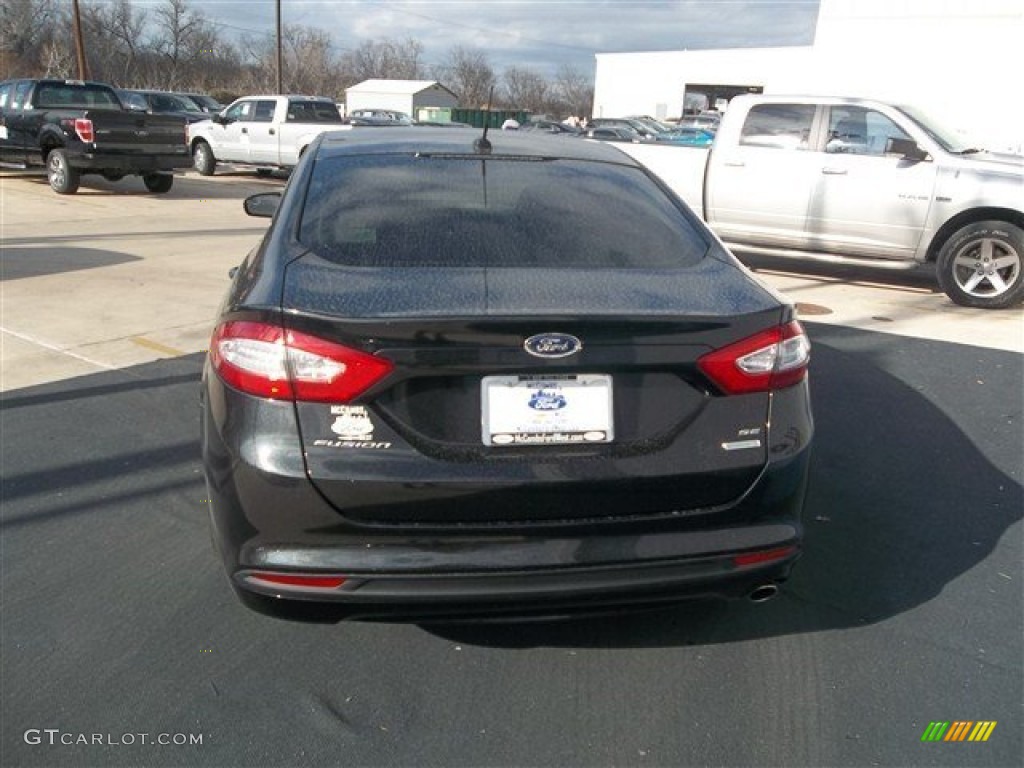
{"points": [[54, 348]]}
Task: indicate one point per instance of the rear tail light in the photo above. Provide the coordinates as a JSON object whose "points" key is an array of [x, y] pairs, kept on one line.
{"points": [[83, 127], [268, 361], [772, 359]]}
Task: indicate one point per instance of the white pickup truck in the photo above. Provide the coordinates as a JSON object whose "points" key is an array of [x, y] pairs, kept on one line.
{"points": [[856, 181], [266, 132]]}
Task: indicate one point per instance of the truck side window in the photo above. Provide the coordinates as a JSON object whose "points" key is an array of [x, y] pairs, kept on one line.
{"points": [[860, 131], [240, 111], [20, 95], [778, 126], [264, 112], [5, 94]]}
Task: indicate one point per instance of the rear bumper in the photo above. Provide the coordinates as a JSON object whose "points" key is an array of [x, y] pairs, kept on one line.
{"points": [[522, 593], [129, 163], [269, 520]]}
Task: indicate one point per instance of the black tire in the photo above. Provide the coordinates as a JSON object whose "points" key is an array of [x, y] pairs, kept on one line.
{"points": [[113, 175], [63, 178], [202, 159], [158, 182], [982, 265]]}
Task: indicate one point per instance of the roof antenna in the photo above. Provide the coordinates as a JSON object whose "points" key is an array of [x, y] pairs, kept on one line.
{"points": [[482, 145]]}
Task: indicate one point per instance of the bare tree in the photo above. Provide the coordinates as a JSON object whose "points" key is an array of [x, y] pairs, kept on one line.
{"points": [[181, 35], [468, 73], [58, 60], [122, 27], [387, 59], [574, 91], [25, 27], [310, 66], [525, 89]]}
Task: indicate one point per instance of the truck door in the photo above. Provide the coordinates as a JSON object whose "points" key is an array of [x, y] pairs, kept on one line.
{"points": [[17, 133], [758, 188], [232, 138], [866, 202], [264, 133], [8, 152]]}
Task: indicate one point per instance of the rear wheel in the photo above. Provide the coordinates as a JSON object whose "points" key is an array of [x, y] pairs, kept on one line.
{"points": [[203, 160], [980, 265], [62, 177], [158, 182]]}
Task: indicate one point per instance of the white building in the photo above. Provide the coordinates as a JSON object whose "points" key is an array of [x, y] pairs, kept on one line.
{"points": [[408, 96], [959, 60]]}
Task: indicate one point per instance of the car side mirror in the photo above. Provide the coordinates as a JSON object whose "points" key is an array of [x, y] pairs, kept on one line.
{"points": [[264, 205], [907, 148], [220, 119]]}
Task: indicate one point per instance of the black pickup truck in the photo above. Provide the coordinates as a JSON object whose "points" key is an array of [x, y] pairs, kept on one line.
{"points": [[74, 128]]}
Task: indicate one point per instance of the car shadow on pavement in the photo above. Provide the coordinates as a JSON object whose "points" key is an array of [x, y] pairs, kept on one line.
{"points": [[903, 499], [18, 263], [186, 186]]}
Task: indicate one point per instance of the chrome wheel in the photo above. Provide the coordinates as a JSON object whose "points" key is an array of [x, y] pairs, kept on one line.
{"points": [[986, 267], [58, 170], [62, 177]]}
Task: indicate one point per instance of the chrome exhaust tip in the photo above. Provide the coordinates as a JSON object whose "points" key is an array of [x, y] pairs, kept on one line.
{"points": [[763, 593]]}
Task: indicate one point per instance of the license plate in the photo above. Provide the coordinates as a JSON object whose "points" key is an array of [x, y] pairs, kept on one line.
{"points": [[551, 410]]}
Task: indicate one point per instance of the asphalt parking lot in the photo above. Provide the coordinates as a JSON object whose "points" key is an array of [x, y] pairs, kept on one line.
{"points": [[117, 621]]}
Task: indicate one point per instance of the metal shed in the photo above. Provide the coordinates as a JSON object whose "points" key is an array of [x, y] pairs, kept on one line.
{"points": [[408, 96]]}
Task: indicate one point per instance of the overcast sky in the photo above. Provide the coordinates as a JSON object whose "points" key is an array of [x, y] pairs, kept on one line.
{"points": [[537, 33]]}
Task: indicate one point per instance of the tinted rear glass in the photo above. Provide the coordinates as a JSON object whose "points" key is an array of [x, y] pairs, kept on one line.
{"points": [[313, 112], [70, 95], [405, 211]]}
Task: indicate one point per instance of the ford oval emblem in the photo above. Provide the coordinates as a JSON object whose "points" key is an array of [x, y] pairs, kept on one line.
{"points": [[553, 345]]}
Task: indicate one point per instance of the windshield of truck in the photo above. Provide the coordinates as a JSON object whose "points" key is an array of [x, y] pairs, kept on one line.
{"points": [[947, 138]]}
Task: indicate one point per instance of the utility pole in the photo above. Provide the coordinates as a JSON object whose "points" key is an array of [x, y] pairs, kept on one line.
{"points": [[280, 87], [83, 70]]}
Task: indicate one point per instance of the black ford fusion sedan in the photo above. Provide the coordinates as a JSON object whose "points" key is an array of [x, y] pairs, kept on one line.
{"points": [[470, 377]]}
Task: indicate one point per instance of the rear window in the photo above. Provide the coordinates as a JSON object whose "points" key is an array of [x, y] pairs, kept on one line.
{"points": [[430, 211], [313, 112], [68, 95]]}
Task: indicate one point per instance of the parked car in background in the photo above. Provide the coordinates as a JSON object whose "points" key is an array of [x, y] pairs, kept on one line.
{"points": [[690, 137], [859, 181], [379, 117], [707, 122], [461, 378], [74, 128], [265, 132], [550, 126], [614, 133], [646, 132], [654, 124], [161, 103], [205, 102]]}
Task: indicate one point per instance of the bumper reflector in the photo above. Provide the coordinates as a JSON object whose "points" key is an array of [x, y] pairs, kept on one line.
{"points": [[766, 556], [296, 580]]}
